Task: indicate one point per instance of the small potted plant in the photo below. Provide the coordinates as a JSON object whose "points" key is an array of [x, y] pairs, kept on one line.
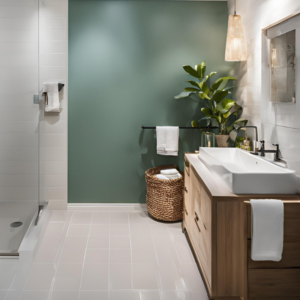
{"points": [[217, 107]]}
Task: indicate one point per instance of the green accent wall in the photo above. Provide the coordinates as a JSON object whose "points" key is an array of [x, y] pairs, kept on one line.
{"points": [[125, 67]]}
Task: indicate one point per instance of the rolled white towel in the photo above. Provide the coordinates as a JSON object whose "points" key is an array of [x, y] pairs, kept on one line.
{"points": [[169, 172], [160, 176], [176, 176]]}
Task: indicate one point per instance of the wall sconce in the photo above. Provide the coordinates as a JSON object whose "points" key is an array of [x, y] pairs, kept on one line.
{"points": [[235, 44]]}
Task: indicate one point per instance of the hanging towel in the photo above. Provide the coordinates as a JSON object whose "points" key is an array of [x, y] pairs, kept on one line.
{"points": [[169, 172], [52, 96], [267, 229], [167, 140]]}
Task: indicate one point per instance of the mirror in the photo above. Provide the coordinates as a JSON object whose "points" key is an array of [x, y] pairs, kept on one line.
{"points": [[283, 68]]}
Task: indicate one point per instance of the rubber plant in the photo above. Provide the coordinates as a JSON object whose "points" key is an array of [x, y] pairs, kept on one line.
{"points": [[217, 106]]}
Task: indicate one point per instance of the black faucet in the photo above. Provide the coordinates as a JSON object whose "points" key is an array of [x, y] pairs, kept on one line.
{"points": [[262, 150]]}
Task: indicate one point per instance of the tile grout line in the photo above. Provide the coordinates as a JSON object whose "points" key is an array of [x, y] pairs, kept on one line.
{"points": [[130, 251], [83, 263], [61, 250]]}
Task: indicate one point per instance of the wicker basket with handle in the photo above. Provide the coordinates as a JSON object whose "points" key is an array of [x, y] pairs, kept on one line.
{"points": [[164, 197]]}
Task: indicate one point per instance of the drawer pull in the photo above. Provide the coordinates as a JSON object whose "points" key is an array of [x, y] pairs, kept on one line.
{"points": [[186, 212], [185, 189], [197, 224], [200, 220], [196, 216]]}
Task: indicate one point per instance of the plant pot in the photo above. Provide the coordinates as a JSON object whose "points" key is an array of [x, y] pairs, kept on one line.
{"points": [[222, 140]]}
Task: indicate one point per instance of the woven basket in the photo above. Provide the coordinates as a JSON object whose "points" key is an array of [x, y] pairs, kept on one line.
{"points": [[164, 197]]}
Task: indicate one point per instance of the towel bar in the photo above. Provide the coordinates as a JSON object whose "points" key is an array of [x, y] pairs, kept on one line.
{"points": [[153, 127]]}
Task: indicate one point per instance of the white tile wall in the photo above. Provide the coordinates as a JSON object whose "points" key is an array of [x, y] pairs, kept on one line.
{"points": [[53, 66], [275, 122], [33, 49]]}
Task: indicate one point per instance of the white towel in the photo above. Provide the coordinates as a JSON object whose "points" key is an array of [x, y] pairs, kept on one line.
{"points": [[160, 176], [52, 96], [267, 229], [167, 140], [176, 176], [169, 172]]}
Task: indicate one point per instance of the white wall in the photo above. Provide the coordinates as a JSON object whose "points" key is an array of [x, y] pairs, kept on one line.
{"points": [[18, 115], [28, 57], [274, 121], [53, 66]]}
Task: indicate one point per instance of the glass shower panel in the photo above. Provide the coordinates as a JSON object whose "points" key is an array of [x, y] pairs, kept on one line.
{"points": [[19, 122]]}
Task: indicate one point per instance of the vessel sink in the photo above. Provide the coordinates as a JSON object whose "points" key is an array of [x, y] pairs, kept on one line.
{"points": [[245, 173]]}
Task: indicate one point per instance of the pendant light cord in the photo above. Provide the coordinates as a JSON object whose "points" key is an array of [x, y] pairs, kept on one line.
{"points": [[234, 7]]}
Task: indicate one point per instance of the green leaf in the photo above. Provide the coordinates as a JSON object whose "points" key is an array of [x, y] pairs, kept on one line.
{"points": [[205, 121], [227, 114], [191, 71], [218, 96], [203, 95], [204, 87], [228, 88], [224, 106], [240, 123], [189, 89], [207, 111], [201, 69], [194, 124], [183, 95], [194, 83], [208, 76], [219, 81]]}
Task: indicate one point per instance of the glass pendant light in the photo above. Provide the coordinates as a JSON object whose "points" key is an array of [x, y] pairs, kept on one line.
{"points": [[235, 44]]}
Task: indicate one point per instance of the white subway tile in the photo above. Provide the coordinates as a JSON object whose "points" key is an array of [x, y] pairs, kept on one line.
{"points": [[53, 47], [53, 60], [53, 168], [54, 193], [19, 140], [18, 59], [53, 23], [53, 154], [18, 127], [52, 181], [18, 193], [20, 48], [18, 36], [19, 11], [17, 101], [60, 10], [18, 2], [20, 114], [53, 140], [18, 24], [18, 181], [52, 73], [53, 128], [53, 35], [18, 153], [19, 168]]}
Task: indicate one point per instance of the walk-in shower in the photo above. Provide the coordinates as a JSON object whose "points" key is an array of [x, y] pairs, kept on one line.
{"points": [[19, 126]]}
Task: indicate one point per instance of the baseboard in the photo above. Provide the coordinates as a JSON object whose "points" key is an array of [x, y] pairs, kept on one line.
{"points": [[108, 206]]}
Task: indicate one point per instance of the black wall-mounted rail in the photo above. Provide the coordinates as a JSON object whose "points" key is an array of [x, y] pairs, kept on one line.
{"points": [[154, 127]]}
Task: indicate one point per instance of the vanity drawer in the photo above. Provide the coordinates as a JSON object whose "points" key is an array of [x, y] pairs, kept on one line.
{"points": [[291, 222], [270, 283], [187, 200]]}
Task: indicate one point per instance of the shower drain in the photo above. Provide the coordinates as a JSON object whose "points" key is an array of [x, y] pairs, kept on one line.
{"points": [[16, 224]]}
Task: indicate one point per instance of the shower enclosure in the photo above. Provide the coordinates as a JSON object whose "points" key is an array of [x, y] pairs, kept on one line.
{"points": [[19, 124]]}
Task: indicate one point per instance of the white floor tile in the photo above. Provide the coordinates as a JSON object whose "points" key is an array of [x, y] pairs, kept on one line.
{"points": [[120, 256], [48, 251], [140, 229], [119, 218], [67, 277], [81, 217], [100, 218], [35, 295], [3, 294], [119, 242], [120, 276], [117, 229], [64, 295], [54, 228], [138, 218], [99, 229], [95, 277], [145, 276], [96, 256], [59, 215], [200, 295], [72, 256], [75, 242], [142, 242], [144, 255], [191, 277], [40, 277], [78, 230], [171, 276], [93, 295], [176, 295], [159, 229], [98, 242]]}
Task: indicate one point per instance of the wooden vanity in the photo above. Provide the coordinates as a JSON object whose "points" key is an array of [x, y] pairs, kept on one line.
{"points": [[218, 224]]}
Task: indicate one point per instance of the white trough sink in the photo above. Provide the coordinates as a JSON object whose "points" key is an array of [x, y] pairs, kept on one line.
{"points": [[245, 173]]}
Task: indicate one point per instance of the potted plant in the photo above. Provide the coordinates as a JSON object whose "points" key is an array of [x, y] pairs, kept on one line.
{"points": [[217, 107]]}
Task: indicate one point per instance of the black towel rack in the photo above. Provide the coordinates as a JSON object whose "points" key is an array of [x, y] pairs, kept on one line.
{"points": [[60, 86], [154, 127]]}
